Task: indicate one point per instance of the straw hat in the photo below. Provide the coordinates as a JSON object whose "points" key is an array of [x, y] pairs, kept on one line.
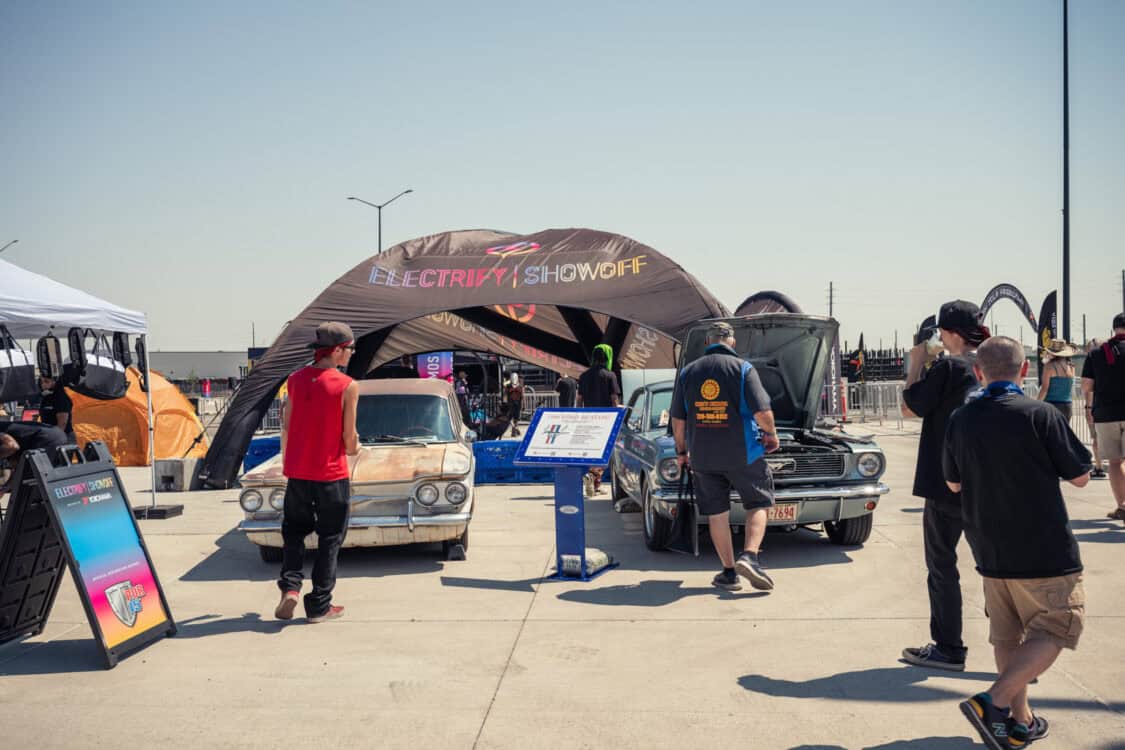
{"points": [[1060, 348]]}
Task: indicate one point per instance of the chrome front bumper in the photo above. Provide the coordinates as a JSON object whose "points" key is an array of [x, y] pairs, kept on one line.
{"points": [[372, 531], [815, 504]]}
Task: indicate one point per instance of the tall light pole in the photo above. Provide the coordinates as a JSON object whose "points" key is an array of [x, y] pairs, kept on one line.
{"points": [[379, 207], [1066, 173], [2, 249]]}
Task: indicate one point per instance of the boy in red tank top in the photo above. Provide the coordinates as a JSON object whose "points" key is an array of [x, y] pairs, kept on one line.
{"points": [[320, 415]]}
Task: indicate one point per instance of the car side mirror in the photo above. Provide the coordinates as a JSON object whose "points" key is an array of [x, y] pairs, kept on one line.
{"points": [[471, 436]]}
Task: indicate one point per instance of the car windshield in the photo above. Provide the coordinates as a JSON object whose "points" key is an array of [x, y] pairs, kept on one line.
{"points": [[659, 410], [386, 418]]}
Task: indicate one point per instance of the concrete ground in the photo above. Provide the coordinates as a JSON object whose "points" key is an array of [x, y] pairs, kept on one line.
{"points": [[484, 653]]}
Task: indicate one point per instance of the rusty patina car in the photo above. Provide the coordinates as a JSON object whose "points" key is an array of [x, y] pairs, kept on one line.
{"points": [[411, 482]]}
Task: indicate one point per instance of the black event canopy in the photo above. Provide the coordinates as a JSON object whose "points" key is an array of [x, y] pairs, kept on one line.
{"points": [[547, 298]]}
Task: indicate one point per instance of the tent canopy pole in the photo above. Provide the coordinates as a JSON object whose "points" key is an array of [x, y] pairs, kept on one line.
{"points": [[151, 426]]}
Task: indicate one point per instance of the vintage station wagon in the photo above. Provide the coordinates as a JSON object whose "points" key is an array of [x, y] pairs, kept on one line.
{"points": [[411, 482], [821, 477]]}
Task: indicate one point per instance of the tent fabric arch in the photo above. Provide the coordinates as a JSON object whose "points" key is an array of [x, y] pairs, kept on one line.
{"points": [[122, 424], [547, 298]]}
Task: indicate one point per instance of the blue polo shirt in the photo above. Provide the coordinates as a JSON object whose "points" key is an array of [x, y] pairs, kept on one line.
{"points": [[717, 395]]}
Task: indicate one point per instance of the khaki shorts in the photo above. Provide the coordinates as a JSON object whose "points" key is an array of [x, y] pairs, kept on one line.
{"points": [[1111, 439], [1024, 609]]}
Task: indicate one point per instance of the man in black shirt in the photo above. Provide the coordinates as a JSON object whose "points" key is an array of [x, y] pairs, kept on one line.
{"points": [[597, 387], [1103, 382], [723, 427], [56, 408], [1005, 454], [567, 388], [933, 395]]}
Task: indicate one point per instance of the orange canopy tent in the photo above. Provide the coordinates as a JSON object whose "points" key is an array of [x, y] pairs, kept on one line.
{"points": [[122, 424]]}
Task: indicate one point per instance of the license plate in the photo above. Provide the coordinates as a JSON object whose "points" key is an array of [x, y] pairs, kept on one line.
{"points": [[782, 512]]}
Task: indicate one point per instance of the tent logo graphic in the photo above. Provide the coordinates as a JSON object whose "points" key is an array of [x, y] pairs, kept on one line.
{"points": [[519, 313], [515, 248]]}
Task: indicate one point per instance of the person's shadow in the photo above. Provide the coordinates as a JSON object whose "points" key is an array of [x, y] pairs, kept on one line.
{"points": [[884, 685], [922, 743]]}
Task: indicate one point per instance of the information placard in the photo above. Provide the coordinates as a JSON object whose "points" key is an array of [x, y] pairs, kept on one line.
{"points": [[576, 437]]}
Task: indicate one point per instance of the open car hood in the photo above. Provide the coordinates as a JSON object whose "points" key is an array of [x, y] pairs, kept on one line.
{"points": [[790, 352]]}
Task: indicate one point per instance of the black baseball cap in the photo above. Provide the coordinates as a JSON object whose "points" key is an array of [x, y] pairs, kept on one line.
{"points": [[958, 315], [1119, 320], [332, 334]]}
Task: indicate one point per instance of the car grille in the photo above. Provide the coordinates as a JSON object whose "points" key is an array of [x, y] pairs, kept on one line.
{"points": [[810, 466]]}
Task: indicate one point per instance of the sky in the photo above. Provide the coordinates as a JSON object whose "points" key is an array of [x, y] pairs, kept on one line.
{"points": [[193, 161]]}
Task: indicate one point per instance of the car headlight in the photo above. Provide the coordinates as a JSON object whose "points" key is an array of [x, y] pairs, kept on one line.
{"points": [[456, 493], [455, 463], [670, 470], [277, 499], [250, 500], [427, 494], [869, 464]]}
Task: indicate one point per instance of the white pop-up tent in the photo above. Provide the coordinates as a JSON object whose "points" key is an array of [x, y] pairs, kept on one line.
{"points": [[32, 305]]}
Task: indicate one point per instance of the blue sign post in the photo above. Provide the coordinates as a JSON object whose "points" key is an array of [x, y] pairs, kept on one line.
{"points": [[571, 441]]}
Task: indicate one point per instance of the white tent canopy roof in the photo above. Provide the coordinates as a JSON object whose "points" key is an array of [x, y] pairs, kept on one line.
{"points": [[31, 305]]}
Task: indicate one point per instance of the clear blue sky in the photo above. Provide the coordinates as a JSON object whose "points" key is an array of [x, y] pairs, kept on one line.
{"points": [[193, 160]]}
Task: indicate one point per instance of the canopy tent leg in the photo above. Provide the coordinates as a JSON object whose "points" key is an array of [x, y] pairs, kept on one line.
{"points": [[153, 510]]}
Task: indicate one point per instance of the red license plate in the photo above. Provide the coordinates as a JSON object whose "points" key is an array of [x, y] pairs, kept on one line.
{"points": [[782, 512]]}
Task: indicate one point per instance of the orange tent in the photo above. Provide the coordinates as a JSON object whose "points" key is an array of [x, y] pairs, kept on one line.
{"points": [[122, 424]]}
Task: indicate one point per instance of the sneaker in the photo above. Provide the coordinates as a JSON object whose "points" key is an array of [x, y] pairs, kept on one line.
{"points": [[1117, 514], [333, 613], [1098, 473], [1038, 729], [286, 606], [588, 485], [932, 656], [749, 568], [992, 723], [727, 580]]}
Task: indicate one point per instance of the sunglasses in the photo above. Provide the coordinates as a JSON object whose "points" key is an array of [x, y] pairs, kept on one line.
{"points": [[349, 347]]}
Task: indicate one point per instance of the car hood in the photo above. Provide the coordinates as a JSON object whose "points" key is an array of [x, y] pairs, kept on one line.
{"points": [[790, 352], [374, 463]]}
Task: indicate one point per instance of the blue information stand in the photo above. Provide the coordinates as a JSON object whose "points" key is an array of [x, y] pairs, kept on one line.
{"points": [[571, 441]]}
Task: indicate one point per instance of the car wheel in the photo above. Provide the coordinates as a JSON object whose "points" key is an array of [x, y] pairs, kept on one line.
{"points": [[455, 549], [850, 531], [656, 527], [616, 493], [270, 554]]}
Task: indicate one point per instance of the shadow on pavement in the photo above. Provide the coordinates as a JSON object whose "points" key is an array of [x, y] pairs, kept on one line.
{"points": [[236, 559], [51, 657], [923, 743], [886, 685], [526, 585], [650, 594], [1106, 531], [912, 510], [204, 626]]}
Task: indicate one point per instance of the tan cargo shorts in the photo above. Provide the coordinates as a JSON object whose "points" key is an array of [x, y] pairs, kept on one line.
{"points": [[1111, 439], [1023, 609]]}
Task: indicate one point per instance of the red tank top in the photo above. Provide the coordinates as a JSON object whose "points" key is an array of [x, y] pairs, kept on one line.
{"points": [[314, 447]]}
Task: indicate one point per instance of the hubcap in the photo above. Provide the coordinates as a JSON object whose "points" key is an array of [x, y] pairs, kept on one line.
{"points": [[649, 520]]}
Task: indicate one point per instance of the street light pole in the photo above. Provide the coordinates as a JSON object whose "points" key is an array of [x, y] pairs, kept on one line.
{"points": [[2, 249], [379, 208]]}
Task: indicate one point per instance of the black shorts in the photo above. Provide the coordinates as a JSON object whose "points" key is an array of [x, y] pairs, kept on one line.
{"points": [[754, 484]]}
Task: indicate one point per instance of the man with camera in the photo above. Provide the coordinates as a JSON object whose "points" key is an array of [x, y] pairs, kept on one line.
{"points": [[934, 388]]}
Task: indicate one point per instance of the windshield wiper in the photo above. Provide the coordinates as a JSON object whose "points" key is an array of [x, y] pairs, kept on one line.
{"points": [[391, 439]]}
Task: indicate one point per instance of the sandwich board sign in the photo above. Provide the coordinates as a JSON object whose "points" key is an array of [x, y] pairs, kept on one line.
{"points": [[73, 512], [571, 441]]}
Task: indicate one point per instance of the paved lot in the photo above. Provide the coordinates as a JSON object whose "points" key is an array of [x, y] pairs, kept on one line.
{"points": [[482, 653]]}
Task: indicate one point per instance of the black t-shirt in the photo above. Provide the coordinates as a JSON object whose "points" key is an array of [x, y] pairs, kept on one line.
{"points": [[1008, 453], [567, 387], [718, 395], [31, 435], [1109, 383], [597, 387], [54, 403], [943, 388]]}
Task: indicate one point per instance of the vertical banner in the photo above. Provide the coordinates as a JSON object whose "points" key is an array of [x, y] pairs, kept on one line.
{"points": [[1048, 329], [435, 365], [832, 401]]}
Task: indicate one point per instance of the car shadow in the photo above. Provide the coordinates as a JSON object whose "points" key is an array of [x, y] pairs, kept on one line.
{"points": [[654, 593], [237, 559]]}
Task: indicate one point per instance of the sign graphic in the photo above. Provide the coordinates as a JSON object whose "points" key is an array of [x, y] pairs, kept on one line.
{"points": [[516, 248], [435, 365], [112, 566], [571, 436]]}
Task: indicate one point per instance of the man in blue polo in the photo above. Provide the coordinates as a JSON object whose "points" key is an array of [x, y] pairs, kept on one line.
{"points": [[723, 427]]}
